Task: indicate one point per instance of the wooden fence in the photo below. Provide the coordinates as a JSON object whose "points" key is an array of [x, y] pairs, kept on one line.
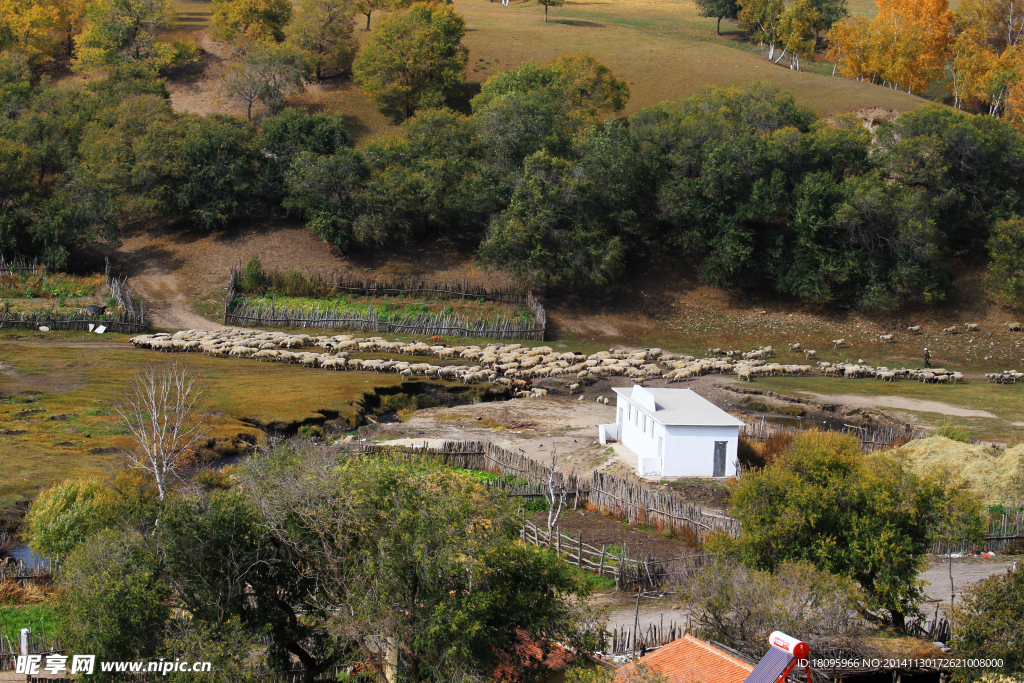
{"points": [[871, 438], [24, 575], [618, 497], [238, 311], [18, 266], [640, 571], [38, 641], [631, 638], [1003, 530], [130, 320]]}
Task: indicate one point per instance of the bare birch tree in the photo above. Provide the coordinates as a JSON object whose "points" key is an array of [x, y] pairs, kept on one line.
{"points": [[160, 415], [555, 495]]}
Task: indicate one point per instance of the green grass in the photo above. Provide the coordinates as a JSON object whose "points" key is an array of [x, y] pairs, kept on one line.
{"points": [[392, 309], [662, 49], [1005, 402], [70, 429], [13, 618]]}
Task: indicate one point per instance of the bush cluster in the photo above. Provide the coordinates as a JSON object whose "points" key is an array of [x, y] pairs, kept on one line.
{"points": [[751, 189]]}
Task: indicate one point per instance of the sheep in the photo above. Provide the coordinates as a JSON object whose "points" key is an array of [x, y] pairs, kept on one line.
{"points": [[972, 327], [950, 330], [810, 353], [795, 346], [836, 343], [887, 376], [887, 338], [914, 329], [599, 399], [573, 388], [537, 392], [1014, 326]]}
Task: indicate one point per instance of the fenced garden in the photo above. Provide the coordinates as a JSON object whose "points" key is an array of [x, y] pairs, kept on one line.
{"points": [[58, 301], [257, 297]]}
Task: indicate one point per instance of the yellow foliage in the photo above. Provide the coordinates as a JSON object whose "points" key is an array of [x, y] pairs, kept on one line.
{"points": [[25, 26], [904, 46]]}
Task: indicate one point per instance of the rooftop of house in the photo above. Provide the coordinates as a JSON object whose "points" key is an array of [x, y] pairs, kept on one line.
{"points": [[534, 652], [691, 660], [680, 407]]}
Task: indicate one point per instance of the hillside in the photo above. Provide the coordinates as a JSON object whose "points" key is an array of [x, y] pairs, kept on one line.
{"points": [[663, 50]]}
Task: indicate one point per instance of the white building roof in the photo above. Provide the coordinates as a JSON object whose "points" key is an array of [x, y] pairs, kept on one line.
{"points": [[678, 407]]}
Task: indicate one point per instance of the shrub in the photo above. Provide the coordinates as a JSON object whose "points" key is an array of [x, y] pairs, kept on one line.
{"points": [[1006, 271], [954, 432], [989, 622], [311, 431], [252, 276]]}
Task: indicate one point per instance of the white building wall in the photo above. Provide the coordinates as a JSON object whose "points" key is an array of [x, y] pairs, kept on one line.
{"points": [[687, 451], [692, 451]]}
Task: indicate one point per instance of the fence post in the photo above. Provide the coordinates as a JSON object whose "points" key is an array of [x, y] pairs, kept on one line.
{"points": [[600, 569]]}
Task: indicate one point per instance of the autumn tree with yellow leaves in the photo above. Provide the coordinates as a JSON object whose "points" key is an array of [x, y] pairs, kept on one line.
{"points": [[904, 47]]}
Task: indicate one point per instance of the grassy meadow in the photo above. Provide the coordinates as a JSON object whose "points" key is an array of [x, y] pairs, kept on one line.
{"points": [[57, 420], [661, 48]]}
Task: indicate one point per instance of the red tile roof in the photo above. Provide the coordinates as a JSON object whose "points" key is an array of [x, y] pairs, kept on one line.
{"points": [[532, 651], [691, 660]]}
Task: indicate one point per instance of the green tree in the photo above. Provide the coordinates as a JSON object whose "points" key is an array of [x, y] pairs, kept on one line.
{"points": [[574, 222], [544, 106], [762, 20], [323, 30], [824, 501], [718, 9], [830, 12], [413, 58], [417, 555], [267, 72], [988, 624], [429, 179], [325, 190], [1006, 251], [125, 30], [67, 513], [112, 599], [550, 3]]}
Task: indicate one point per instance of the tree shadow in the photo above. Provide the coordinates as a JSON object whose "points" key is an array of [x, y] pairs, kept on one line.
{"points": [[577, 22]]}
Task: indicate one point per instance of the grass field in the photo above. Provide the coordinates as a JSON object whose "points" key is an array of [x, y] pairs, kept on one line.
{"points": [[1004, 402], [56, 419]]}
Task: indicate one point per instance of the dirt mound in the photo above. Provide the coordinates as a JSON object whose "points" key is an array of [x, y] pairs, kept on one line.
{"points": [[994, 474]]}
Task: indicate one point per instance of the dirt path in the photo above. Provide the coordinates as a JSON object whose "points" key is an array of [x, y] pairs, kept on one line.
{"points": [[899, 403], [168, 306]]}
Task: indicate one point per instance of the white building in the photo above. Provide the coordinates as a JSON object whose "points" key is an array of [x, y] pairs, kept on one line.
{"points": [[674, 433]]}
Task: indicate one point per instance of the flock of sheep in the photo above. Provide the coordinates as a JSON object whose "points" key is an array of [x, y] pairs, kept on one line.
{"points": [[510, 365], [513, 365]]}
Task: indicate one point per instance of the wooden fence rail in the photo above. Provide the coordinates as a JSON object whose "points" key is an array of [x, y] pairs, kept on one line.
{"points": [[618, 497], [645, 572], [18, 266], [239, 311], [130, 320], [871, 438]]}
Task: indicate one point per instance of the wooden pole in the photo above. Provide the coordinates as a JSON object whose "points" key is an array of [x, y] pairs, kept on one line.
{"points": [[600, 569]]}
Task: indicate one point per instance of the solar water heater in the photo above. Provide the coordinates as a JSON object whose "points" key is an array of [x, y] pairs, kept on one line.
{"points": [[784, 654]]}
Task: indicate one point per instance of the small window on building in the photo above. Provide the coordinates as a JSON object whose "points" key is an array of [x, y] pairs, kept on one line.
{"points": [[645, 423]]}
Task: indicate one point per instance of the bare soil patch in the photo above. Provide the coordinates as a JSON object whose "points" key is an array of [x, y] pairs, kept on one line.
{"points": [[901, 403], [599, 530]]}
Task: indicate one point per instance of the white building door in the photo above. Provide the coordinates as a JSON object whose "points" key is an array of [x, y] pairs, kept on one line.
{"points": [[719, 468]]}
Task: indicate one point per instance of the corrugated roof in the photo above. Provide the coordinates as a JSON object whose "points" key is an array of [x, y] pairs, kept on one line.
{"points": [[691, 660], [681, 407]]}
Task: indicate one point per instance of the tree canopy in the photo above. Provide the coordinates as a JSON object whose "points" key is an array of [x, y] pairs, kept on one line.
{"points": [[864, 516]]}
